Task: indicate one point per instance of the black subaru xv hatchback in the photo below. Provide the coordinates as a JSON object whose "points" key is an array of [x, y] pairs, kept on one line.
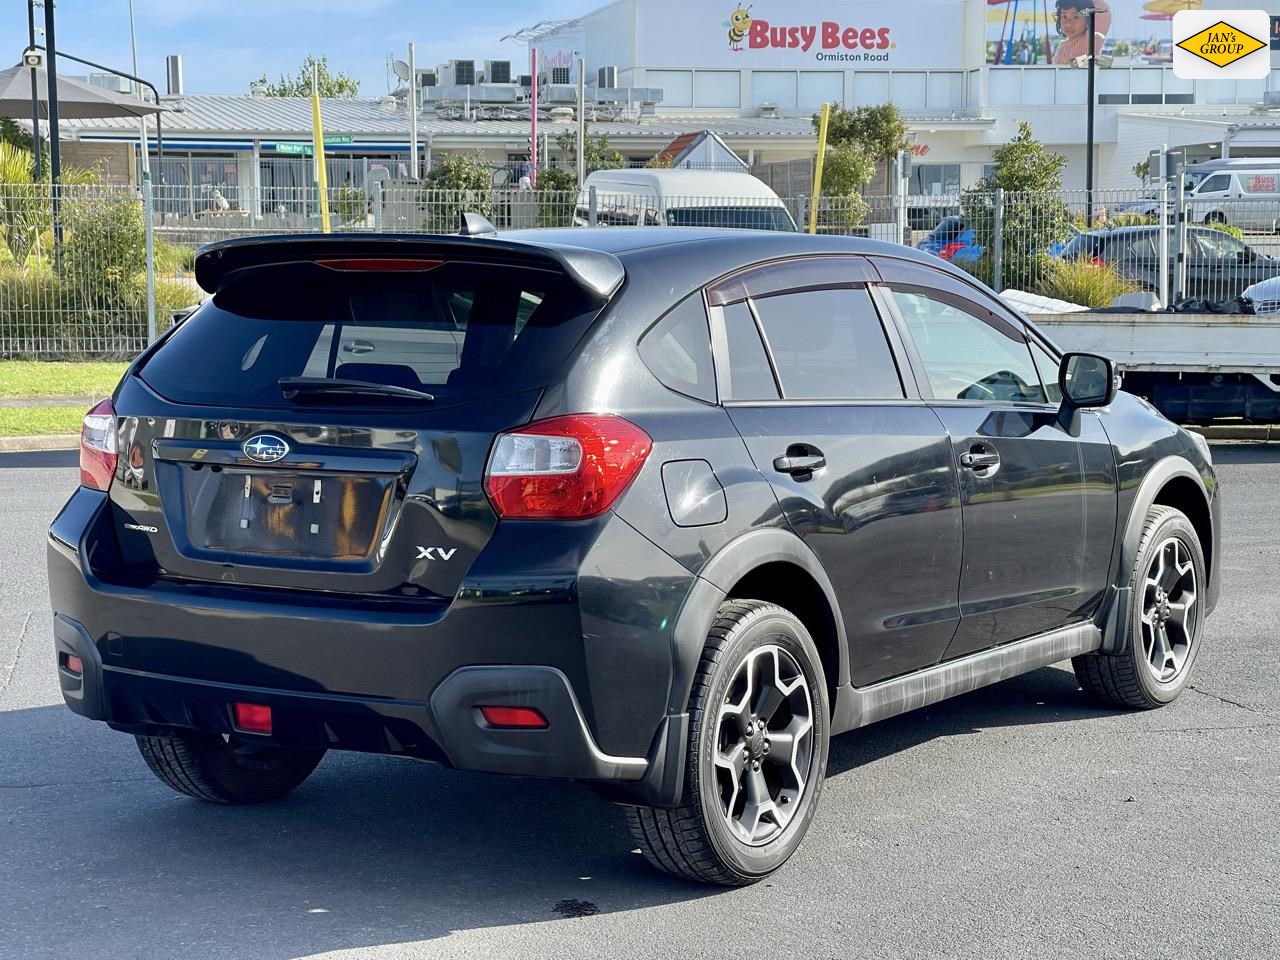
{"points": [[658, 509]]}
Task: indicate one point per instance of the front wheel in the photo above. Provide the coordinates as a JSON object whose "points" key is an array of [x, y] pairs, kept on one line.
{"points": [[1165, 619], [231, 769], [757, 752]]}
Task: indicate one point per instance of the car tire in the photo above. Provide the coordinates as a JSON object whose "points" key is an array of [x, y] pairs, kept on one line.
{"points": [[1215, 217], [746, 805], [229, 770], [1166, 619]]}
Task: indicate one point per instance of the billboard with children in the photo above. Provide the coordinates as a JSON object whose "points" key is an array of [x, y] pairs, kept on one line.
{"points": [[1056, 32]]}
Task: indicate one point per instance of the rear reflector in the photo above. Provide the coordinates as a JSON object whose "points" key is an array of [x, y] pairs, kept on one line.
{"points": [[74, 664], [525, 718], [381, 263], [565, 468], [98, 447], [252, 718]]}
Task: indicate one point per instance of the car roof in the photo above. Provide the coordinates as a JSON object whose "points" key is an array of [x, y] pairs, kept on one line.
{"points": [[749, 245], [693, 183]]}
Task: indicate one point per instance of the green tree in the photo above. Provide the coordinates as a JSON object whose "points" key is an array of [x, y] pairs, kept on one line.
{"points": [[456, 182], [1034, 213], [597, 155], [13, 134], [557, 197], [880, 131], [328, 83], [856, 140], [26, 208], [1142, 171]]}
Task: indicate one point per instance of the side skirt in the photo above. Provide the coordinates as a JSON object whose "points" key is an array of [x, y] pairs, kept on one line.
{"points": [[857, 707]]}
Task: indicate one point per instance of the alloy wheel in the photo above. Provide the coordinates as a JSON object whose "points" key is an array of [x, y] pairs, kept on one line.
{"points": [[764, 745], [1168, 610]]}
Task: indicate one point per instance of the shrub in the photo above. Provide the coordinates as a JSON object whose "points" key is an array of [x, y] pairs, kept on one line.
{"points": [[348, 205], [1227, 229], [558, 195], [1083, 282]]}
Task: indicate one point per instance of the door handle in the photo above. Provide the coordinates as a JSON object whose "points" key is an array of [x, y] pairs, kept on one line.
{"points": [[980, 458], [358, 347], [800, 459]]}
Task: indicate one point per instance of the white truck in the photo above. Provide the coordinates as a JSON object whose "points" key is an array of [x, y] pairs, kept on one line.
{"points": [[1195, 368]]}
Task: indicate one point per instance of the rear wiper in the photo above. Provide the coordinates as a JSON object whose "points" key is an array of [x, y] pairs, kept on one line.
{"points": [[296, 387]]}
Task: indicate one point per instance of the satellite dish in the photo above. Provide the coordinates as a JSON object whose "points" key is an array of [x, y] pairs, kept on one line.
{"points": [[400, 68]]}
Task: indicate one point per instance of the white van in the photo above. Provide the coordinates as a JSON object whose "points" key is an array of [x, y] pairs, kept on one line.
{"points": [[1241, 191], [681, 198]]}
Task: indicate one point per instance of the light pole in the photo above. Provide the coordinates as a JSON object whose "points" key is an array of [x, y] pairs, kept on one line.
{"points": [[142, 121], [1091, 13], [35, 92]]}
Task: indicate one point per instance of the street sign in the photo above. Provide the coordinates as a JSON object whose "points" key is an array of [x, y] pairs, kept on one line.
{"points": [[336, 141], [299, 149]]}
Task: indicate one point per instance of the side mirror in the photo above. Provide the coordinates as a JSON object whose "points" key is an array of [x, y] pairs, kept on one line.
{"points": [[1086, 380]]}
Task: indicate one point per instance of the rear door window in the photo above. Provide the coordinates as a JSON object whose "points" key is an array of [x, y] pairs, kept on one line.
{"points": [[749, 375], [460, 332], [829, 344]]}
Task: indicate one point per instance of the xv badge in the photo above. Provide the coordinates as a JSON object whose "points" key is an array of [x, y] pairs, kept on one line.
{"points": [[435, 553]]}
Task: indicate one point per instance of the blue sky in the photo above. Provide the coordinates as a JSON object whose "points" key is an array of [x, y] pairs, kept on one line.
{"points": [[227, 43]]}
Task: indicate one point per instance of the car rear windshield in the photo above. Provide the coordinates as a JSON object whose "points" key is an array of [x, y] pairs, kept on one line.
{"points": [[460, 332], [746, 218]]}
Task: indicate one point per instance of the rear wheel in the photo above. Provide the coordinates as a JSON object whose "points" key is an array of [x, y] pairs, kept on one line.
{"points": [[1165, 621], [757, 752], [221, 769], [1215, 217]]}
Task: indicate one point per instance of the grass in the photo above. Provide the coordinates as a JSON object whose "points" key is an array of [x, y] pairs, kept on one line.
{"points": [[38, 378], [32, 421]]}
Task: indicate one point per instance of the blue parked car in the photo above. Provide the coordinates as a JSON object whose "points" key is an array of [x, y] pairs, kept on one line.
{"points": [[952, 240]]}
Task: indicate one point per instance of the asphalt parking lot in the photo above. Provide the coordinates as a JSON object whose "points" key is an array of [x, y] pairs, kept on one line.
{"points": [[1019, 821]]}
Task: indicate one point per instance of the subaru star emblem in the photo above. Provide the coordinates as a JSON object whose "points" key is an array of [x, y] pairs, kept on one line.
{"points": [[265, 448]]}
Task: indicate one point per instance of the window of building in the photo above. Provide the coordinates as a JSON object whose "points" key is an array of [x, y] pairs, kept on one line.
{"points": [[966, 358], [717, 88], [908, 90], [935, 179], [676, 86], [946, 90], [819, 87], [829, 344], [773, 86], [870, 89]]}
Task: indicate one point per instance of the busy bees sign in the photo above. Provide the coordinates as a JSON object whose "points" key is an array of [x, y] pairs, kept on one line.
{"points": [[1221, 44]]}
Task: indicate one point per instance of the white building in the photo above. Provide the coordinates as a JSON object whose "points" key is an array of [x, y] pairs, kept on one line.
{"points": [[963, 72]]}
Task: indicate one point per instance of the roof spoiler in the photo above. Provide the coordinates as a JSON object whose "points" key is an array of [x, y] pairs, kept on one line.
{"points": [[597, 273]]}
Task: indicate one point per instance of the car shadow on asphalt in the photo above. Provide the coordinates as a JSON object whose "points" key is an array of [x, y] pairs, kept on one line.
{"points": [[1048, 695], [370, 851]]}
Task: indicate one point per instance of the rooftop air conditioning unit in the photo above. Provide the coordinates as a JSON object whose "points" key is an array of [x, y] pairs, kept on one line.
{"points": [[497, 71], [607, 77], [1271, 99], [526, 80], [768, 109], [464, 72], [560, 75], [427, 78]]}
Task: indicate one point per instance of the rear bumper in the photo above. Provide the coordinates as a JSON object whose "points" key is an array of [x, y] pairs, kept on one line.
{"points": [[593, 658]]}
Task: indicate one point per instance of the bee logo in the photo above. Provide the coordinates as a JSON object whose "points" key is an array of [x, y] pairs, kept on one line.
{"points": [[739, 23]]}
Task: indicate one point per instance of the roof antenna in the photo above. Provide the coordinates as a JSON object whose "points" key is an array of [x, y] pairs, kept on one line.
{"points": [[471, 224]]}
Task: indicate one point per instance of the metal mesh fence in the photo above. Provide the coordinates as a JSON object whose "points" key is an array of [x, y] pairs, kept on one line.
{"points": [[79, 290]]}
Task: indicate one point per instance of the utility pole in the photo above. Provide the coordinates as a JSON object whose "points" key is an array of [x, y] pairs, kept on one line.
{"points": [[51, 71], [413, 116], [582, 120], [142, 120], [35, 91], [1088, 158]]}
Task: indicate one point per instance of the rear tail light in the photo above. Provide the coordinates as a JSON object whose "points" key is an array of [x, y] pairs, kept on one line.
{"points": [[522, 718], [381, 264], [565, 468], [950, 250], [252, 718], [98, 447], [1097, 262], [73, 664]]}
